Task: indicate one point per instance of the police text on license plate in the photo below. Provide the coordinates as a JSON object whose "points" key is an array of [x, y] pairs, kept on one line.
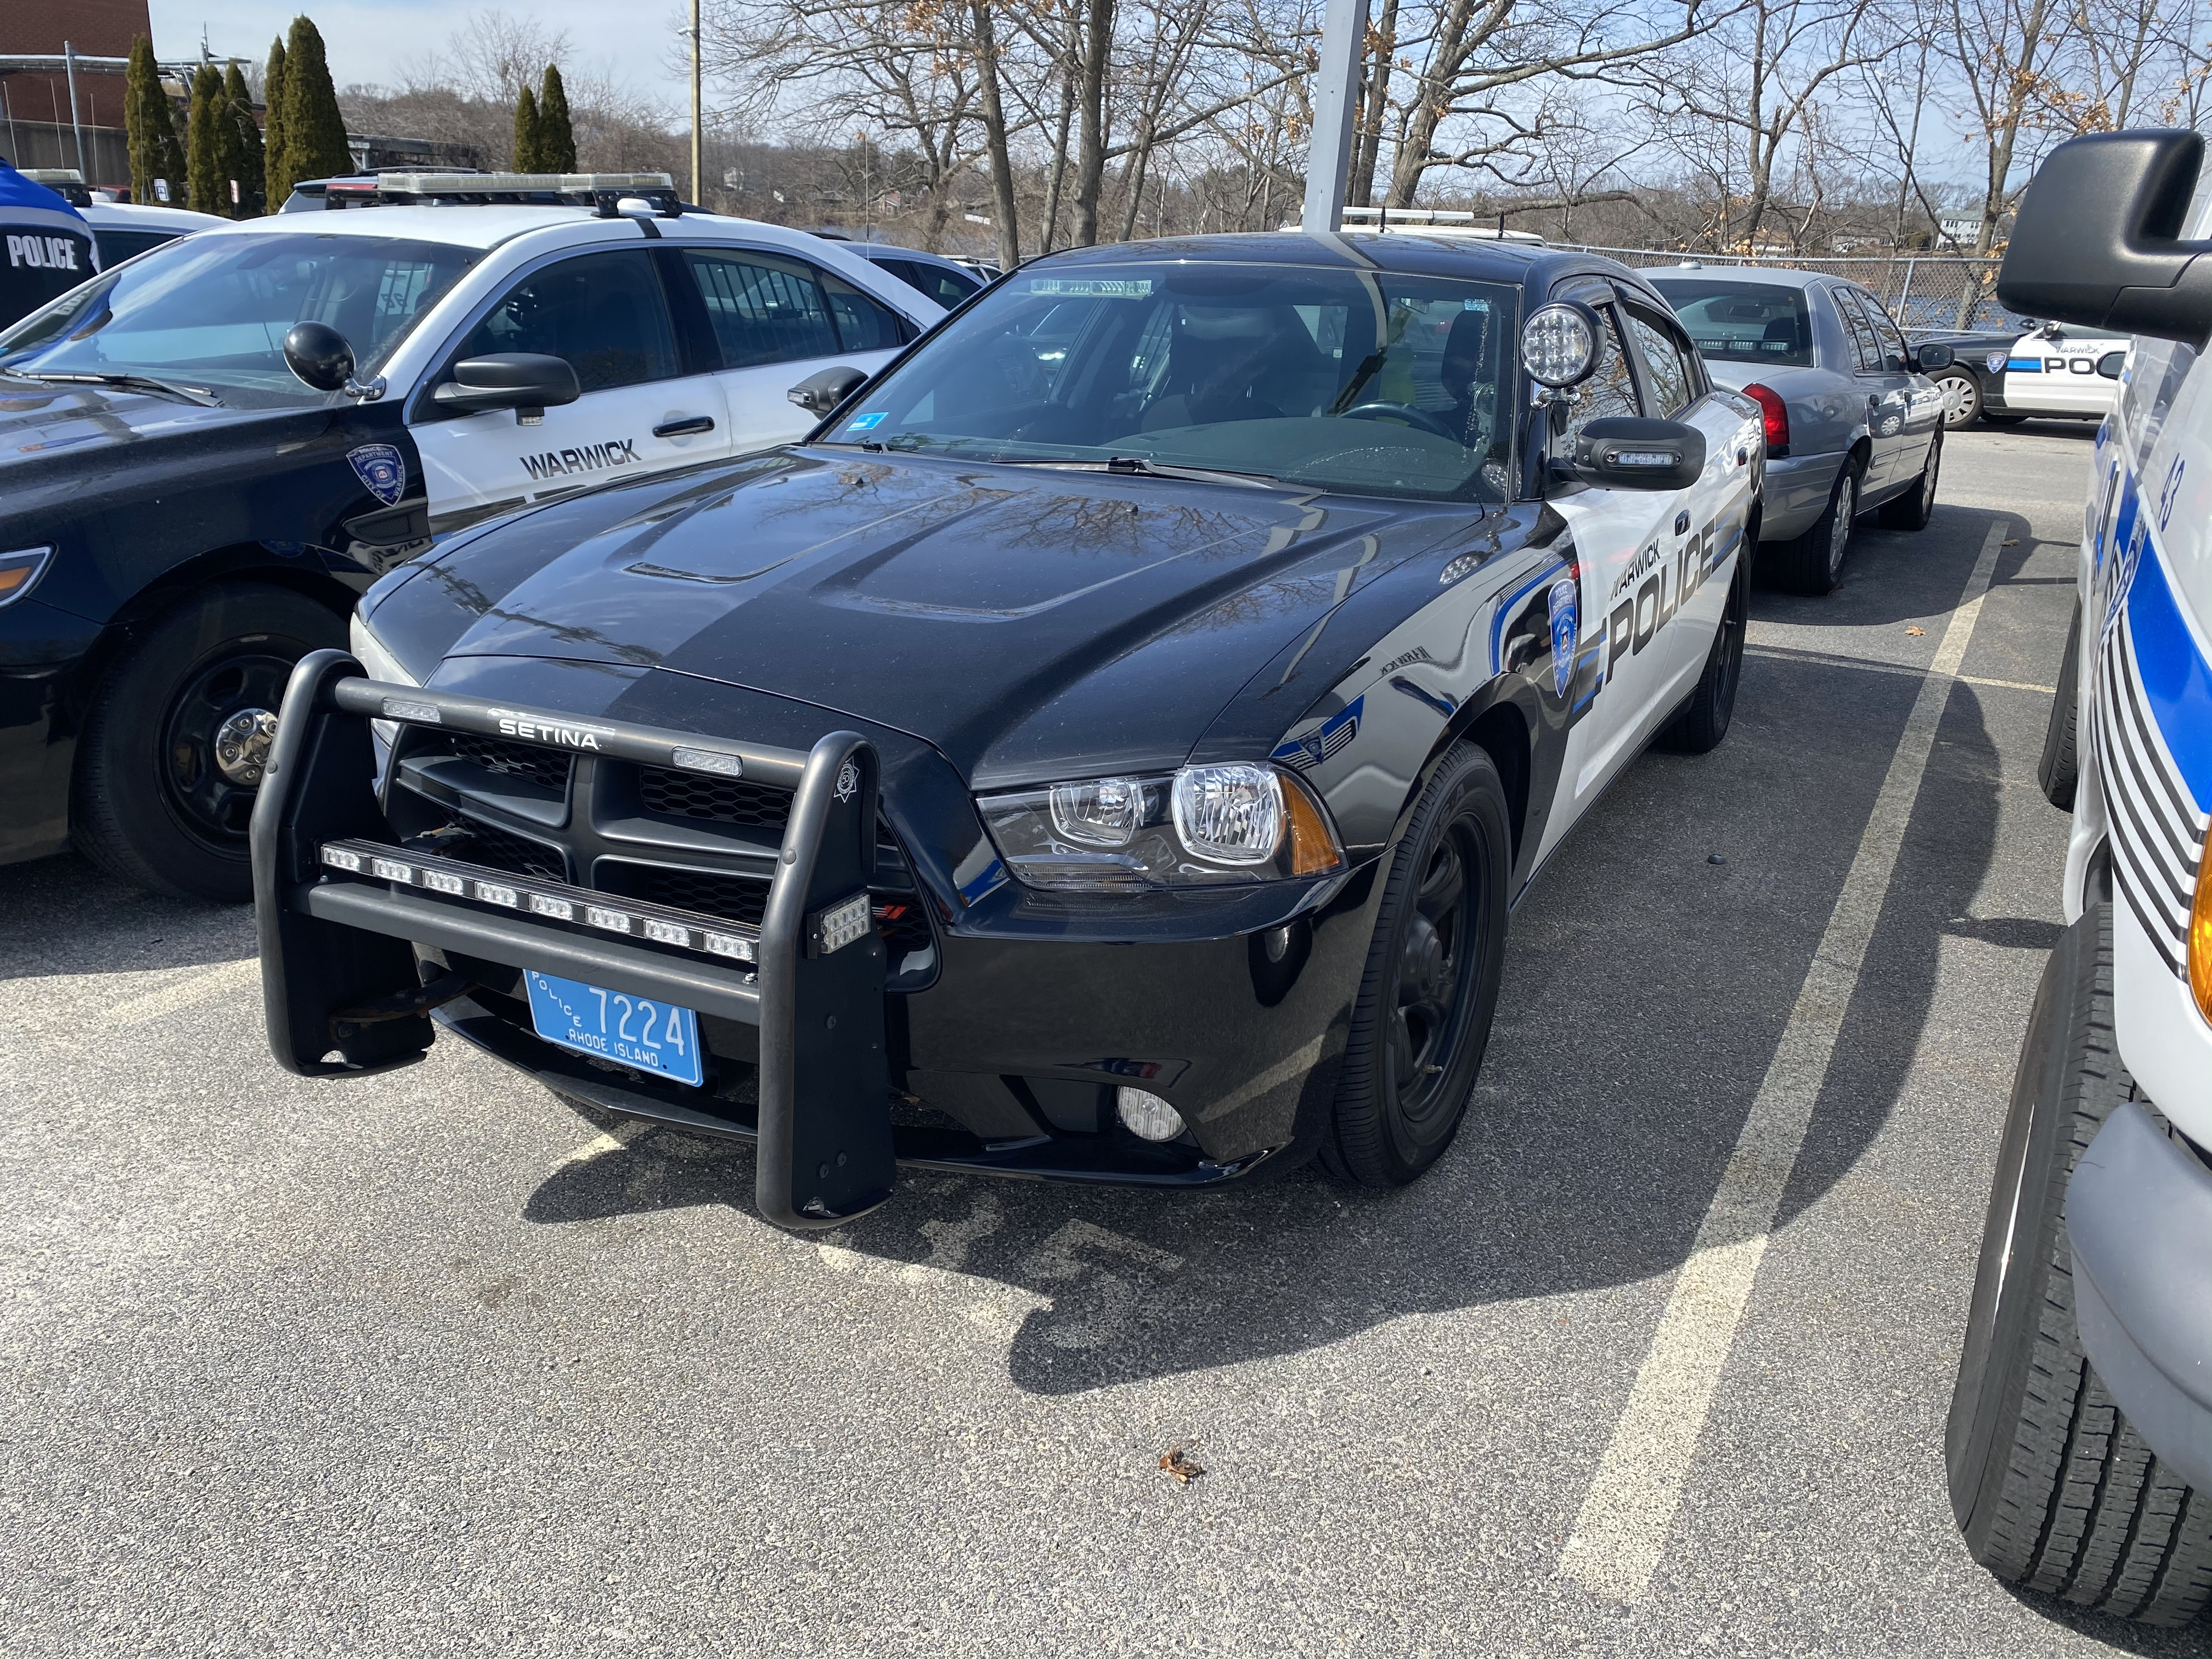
{"points": [[656, 1037]]}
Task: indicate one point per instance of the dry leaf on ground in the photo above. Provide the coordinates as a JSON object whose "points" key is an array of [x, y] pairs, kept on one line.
{"points": [[1176, 1464], [1916, 631]]}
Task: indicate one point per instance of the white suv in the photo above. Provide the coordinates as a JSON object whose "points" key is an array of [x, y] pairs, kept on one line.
{"points": [[2080, 1446]]}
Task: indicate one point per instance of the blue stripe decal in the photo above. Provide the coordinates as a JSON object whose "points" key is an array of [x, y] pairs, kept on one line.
{"points": [[2175, 679], [1503, 614], [2023, 366]]}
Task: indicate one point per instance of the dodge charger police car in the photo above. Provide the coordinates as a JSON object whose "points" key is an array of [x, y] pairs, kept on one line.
{"points": [[2079, 1446], [208, 453], [2057, 369], [1106, 747]]}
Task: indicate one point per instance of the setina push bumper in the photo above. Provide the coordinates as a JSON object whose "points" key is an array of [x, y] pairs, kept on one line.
{"points": [[353, 929]]}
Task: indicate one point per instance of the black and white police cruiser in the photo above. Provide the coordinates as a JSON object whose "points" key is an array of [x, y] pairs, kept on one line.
{"points": [[1107, 748], [208, 453], [2080, 1447]]}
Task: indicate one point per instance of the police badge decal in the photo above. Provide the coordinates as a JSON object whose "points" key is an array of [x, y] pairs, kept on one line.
{"points": [[382, 471], [1566, 620]]}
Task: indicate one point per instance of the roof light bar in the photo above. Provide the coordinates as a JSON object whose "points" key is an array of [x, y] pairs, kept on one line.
{"points": [[553, 901], [508, 184]]}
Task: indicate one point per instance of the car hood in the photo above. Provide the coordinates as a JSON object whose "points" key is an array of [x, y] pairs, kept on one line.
{"points": [[48, 432], [1028, 621]]}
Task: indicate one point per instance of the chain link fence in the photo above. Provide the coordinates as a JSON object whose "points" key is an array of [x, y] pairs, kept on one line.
{"points": [[1922, 291]]}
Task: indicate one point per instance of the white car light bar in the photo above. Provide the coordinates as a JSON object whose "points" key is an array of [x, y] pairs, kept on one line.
{"points": [[717, 761], [732, 941], [501, 183], [423, 713]]}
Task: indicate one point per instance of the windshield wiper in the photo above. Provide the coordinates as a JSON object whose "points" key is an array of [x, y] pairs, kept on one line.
{"points": [[1141, 466], [190, 394]]}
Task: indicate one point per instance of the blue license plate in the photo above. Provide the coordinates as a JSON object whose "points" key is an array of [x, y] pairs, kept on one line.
{"points": [[656, 1037]]}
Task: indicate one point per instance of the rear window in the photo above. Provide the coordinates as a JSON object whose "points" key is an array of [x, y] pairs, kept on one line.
{"points": [[1742, 322]]}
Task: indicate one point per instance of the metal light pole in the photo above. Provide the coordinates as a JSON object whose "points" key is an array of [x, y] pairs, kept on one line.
{"points": [[69, 62], [1328, 155], [698, 170]]}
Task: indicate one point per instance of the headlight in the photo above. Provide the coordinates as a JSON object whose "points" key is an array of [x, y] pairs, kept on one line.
{"points": [[381, 665], [1203, 826], [20, 571]]}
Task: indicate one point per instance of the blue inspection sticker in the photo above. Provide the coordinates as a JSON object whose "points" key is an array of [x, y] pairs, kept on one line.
{"points": [[866, 423]]}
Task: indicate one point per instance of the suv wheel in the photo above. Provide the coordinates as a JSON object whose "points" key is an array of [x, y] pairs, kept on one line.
{"points": [[171, 756], [1423, 1017], [2052, 1487]]}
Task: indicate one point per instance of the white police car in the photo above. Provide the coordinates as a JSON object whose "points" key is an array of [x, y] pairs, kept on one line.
{"points": [[2080, 1444], [208, 453], [2060, 369]]}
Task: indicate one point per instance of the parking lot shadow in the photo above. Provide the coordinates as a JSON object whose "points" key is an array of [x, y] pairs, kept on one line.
{"points": [[1649, 981], [62, 915]]}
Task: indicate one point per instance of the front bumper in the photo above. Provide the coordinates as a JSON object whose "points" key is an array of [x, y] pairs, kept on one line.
{"points": [[1797, 492], [996, 1044], [2139, 1213]]}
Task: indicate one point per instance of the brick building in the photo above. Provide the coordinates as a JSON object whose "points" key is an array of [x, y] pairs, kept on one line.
{"points": [[36, 125]]}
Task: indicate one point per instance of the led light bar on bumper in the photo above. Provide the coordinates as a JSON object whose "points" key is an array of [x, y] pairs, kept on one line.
{"points": [[1203, 826], [550, 900]]}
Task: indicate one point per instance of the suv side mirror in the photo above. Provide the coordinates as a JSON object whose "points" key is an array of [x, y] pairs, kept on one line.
{"points": [[2096, 240], [2112, 363], [823, 391], [527, 382], [1932, 356], [1624, 451]]}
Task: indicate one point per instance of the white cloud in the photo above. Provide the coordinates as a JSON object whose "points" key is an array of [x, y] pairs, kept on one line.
{"points": [[370, 40]]}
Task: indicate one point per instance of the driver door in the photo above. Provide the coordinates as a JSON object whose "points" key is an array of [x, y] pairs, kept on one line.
{"points": [[608, 315], [1621, 540]]}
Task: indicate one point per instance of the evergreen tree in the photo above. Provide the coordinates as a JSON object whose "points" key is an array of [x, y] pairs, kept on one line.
{"points": [[557, 139], [210, 193], [314, 131], [527, 134], [276, 173], [155, 151], [242, 150]]}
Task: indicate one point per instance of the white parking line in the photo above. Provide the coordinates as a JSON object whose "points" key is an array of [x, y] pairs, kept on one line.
{"points": [[1629, 1512]]}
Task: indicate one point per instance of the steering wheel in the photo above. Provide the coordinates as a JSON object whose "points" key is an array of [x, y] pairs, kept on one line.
{"points": [[1405, 413]]}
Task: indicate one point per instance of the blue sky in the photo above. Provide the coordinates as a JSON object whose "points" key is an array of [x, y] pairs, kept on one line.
{"points": [[368, 40]]}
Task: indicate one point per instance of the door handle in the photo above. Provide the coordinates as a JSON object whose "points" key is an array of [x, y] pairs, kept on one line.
{"points": [[684, 426]]}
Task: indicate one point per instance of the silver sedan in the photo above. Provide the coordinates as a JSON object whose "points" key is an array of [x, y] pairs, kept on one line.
{"points": [[1854, 425]]}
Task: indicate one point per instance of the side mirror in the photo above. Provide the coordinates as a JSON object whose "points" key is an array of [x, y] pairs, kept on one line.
{"points": [[1932, 356], [527, 382], [1627, 453], [823, 391], [321, 356], [2096, 240], [2110, 363]]}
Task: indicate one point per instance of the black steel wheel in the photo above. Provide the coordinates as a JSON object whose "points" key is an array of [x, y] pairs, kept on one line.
{"points": [[173, 747], [1423, 1016]]}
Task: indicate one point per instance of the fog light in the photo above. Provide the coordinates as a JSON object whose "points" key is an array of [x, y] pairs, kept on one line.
{"points": [[1147, 1115]]}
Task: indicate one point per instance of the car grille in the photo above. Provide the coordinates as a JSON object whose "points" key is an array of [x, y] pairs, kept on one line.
{"points": [[548, 767], [713, 799], [733, 898], [487, 844]]}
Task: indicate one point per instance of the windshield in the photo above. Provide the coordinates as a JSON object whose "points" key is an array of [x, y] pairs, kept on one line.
{"points": [[1354, 381], [212, 312], [1742, 322]]}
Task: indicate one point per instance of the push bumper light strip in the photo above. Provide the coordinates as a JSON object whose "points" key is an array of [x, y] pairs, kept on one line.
{"points": [[548, 901]]}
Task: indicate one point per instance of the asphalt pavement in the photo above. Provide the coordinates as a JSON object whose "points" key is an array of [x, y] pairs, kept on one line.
{"points": [[428, 1363]]}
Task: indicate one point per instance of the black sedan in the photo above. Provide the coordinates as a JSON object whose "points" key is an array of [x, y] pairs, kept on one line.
{"points": [[1973, 384], [1108, 748]]}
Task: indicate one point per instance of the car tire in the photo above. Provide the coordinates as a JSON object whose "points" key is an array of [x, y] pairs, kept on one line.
{"points": [[1962, 397], [1423, 1016], [1912, 510], [167, 762], [2059, 771], [1814, 562], [1703, 721], [2052, 1487]]}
